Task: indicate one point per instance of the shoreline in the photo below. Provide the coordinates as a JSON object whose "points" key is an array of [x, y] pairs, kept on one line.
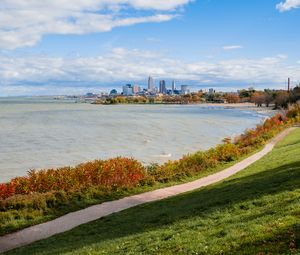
{"points": [[246, 106], [160, 156], [241, 106]]}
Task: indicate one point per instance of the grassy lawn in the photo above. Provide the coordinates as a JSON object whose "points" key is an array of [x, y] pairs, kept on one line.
{"points": [[256, 211]]}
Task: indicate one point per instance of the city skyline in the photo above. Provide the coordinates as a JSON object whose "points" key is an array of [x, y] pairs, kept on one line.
{"points": [[73, 47], [151, 88]]}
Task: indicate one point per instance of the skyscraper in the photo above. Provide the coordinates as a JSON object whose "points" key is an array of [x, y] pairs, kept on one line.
{"points": [[127, 90], [136, 89], [150, 84], [173, 85], [184, 89], [162, 87]]}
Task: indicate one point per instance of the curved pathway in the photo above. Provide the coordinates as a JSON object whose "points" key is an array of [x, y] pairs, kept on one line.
{"points": [[72, 220]]}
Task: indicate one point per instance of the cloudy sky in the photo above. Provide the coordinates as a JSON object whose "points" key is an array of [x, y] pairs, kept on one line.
{"points": [[76, 46]]}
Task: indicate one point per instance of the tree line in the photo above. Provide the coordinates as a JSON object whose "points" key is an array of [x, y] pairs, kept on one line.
{"points": [[275, 98]]}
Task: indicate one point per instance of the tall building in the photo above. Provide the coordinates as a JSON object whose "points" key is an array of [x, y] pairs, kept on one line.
{"points": [[211, 91], [162, 87], [185, 89], [150, 84], [173, 85], [127, 90], [136, 89]]}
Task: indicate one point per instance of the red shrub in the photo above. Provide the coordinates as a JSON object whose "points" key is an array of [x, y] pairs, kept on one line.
{"points": [[120, 173], [110, 174], [6, 190]]}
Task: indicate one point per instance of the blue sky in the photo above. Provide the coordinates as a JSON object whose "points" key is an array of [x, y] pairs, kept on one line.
{"points": [[70, 47]]}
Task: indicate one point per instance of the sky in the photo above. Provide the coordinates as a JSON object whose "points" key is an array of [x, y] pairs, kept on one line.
{"points": [[58, 47]]}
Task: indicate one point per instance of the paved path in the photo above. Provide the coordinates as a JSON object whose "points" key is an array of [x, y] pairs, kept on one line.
{"points": [[72, 220]]}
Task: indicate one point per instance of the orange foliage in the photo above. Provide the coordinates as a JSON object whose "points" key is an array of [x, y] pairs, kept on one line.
{"points": [[109, 174], [232, 98]]}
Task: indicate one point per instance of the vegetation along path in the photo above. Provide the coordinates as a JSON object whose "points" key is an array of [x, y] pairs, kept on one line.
{"points": [[72, 220]]}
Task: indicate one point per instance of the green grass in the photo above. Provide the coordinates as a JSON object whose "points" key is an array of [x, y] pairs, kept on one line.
{"points": [[257, 211]]}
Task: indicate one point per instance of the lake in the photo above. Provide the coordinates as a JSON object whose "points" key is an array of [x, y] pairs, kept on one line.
{"points": [[38, 133]]}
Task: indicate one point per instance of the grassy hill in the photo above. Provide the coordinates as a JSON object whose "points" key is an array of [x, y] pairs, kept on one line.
{"points": [[255, 212]]}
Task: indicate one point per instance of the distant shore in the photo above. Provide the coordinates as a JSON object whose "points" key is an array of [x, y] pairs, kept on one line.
{"points": [[246, 106], [241, 106]]}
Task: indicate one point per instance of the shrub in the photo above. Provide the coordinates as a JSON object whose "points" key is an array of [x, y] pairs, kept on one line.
{"points": [[227, 152], [294, 112], [6, 190], [187, 166], [109, 174]]}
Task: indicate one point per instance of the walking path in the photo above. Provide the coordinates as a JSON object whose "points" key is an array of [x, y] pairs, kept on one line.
{"points": [[72, 220]]}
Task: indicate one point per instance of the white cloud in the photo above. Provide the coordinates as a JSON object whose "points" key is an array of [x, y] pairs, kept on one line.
{"points": [[41, 74], [232, 47], [23, 23], [288, 5]]}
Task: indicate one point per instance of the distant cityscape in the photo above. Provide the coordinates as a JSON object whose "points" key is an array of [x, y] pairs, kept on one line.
{"points": [[164, 94], [151, 90]]}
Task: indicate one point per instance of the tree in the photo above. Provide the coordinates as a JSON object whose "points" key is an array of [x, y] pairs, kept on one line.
{"points": [[296, 93], [143, 100], [246, 93], [282, 99], [269, 96], [268, 99], [195, 98], [151, 100], [258, 98], [120, 100], [232, 98]]}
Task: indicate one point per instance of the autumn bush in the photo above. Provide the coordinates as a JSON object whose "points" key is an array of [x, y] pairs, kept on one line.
{"points": [[176, 170], [229, 151], [109, 174], [293, 113], [254, 138], [192, 164]]}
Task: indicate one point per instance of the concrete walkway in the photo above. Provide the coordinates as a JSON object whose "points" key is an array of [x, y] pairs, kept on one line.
{"points": [[72, 220]]}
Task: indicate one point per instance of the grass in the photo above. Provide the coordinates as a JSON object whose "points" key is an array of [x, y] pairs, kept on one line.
{"points": [[257, 211]]}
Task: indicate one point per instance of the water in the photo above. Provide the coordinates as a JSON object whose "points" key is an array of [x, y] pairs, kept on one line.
{"points": [[40, 133]]}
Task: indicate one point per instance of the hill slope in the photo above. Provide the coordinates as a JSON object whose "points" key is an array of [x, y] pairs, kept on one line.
{"points": [[256, 211]]}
